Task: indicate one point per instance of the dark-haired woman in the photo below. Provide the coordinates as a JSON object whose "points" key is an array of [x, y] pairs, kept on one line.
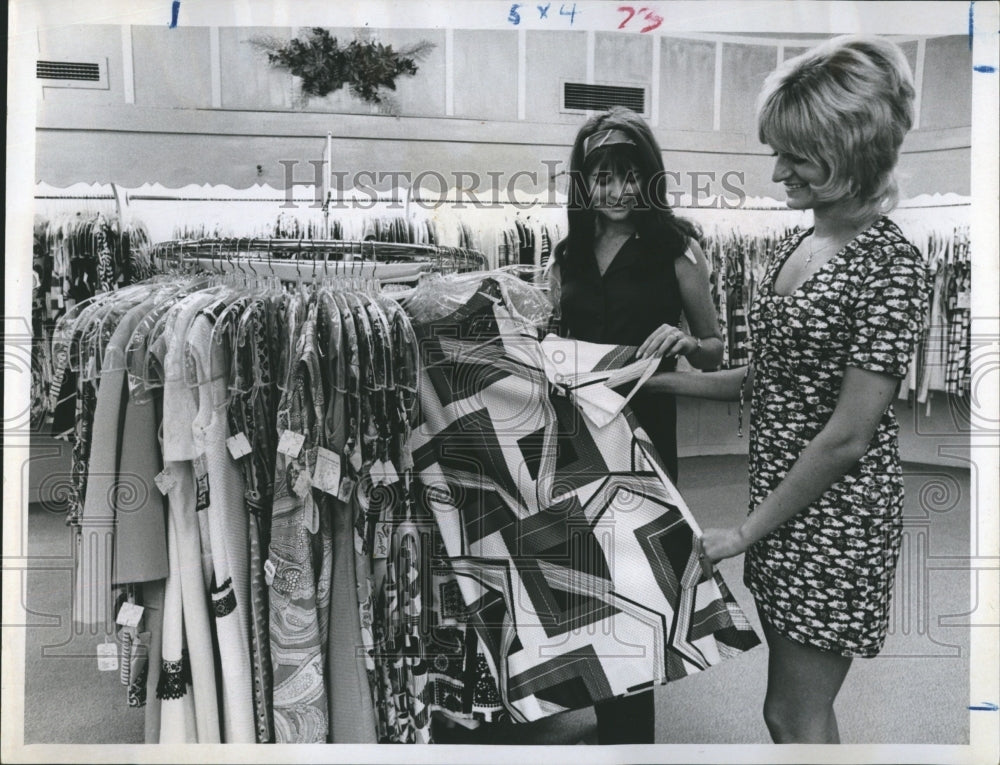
{"points": [[625, 274]]}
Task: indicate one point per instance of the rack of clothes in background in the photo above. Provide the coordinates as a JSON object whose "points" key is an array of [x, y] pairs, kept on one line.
{"points": [[943, 358], [369, 227], [272, 538], [503, 239], [526, 241], [225, 363], [75, 257], [737, 262], [288, 259], [254, 526]]}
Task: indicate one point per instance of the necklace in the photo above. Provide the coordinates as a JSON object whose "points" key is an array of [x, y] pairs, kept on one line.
{"points": [[837, 244], [813, 251]]}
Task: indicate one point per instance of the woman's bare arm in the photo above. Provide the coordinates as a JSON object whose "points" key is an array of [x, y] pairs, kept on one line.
{"points": [[723, 385]]}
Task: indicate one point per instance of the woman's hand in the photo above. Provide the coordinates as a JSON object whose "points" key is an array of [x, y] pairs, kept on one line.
{"points": [[719, 544], [666, 340]]}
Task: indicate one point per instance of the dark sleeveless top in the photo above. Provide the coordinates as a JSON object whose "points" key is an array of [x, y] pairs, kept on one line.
{"points": [[638, 292]]}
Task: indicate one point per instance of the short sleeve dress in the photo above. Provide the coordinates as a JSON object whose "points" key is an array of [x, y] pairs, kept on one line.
{"points": [[824, 577]]}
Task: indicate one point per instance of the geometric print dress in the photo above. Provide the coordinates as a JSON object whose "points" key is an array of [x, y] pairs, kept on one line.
{"points": [[574, 556], [824, 577]]}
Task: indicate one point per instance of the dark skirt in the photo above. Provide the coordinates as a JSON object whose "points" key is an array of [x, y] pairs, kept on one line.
{"points": [[657, 414]]}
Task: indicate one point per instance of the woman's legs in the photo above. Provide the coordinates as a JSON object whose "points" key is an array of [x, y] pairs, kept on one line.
{"points": [[802, 684]]}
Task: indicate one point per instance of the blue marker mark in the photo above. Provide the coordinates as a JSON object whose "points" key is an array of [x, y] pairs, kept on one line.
{"points": [[985, 706], [986, 68], [543, 11], [514, 17], [175, 10], [972, 24]]}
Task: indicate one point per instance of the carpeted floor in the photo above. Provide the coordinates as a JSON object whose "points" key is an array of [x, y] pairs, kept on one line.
{"points": [[915, 692]]}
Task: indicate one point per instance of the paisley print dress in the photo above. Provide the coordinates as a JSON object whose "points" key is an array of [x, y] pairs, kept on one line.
{"points": [[824, 577]]}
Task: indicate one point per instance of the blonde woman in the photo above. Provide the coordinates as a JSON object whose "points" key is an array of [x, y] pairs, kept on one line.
{"points": [[833, 329]]}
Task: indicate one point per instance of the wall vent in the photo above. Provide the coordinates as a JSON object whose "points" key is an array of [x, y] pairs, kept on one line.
{"points": [[578, 96], [72, 74]]}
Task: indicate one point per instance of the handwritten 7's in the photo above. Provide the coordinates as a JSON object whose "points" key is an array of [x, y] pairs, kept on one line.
{"points": [[647, 14]]}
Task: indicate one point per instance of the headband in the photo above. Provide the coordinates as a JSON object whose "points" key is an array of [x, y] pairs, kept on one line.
{"points": [[608, 137]]}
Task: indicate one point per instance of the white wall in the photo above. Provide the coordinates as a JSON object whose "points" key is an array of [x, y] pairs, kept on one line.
{"points": [[176, 129]]}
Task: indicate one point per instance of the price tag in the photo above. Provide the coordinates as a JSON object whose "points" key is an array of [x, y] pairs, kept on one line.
{"points": [[107, 657], [165, 480], [964, 300], [356, 458], [302, 484], [382, 536], [290, 443], [326, 476], [269, 572], [238, 445], [346, 490], [384, 472], [129, 614]]}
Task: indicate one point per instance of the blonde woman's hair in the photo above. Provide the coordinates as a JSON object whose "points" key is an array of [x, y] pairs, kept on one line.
{"points": [[846, 105]]}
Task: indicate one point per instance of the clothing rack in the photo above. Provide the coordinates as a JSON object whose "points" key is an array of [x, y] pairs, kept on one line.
{"points": [[299, 259], [74, 257], [295, 575]]}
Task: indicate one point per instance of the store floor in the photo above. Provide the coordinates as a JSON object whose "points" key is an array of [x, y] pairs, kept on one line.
{"points": [[915, 692]]}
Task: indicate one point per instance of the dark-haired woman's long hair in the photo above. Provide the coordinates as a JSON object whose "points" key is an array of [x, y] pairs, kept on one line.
{"points": [[655, 220]]}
